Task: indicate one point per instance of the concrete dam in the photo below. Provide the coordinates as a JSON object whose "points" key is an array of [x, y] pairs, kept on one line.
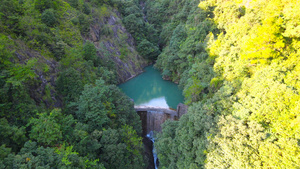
{"points": [[153, 117]]}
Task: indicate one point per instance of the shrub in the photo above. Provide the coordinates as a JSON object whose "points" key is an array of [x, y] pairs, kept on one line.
{"points": [[148, 50], [48, 17]]}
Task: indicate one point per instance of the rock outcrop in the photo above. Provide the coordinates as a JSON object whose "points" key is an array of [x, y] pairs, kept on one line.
{"points": [[112, 40], [42, 87], [181, 109]]}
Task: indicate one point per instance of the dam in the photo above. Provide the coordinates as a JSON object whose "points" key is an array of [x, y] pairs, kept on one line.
{"points": [[155, 101], [153, 117]]}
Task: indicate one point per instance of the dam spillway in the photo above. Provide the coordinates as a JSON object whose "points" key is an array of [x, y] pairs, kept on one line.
{"points": [[153, 117]]}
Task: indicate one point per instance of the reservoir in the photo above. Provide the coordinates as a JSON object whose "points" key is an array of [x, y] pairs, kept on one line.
{"points": [[149, 89]]}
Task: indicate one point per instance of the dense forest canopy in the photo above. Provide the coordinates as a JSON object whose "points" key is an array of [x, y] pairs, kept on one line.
{"points": [[59, 105], [237, 62]]}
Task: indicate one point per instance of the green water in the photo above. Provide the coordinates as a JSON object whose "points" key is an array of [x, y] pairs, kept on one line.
{"points": [[149, 89]]}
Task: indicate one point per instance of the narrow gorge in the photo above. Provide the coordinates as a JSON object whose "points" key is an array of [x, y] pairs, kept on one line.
{"points": [[156, 101], [81, 84]]}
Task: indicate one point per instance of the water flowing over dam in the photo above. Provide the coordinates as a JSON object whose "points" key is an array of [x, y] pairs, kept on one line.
{"points": [[152, 118], [156, 100]]}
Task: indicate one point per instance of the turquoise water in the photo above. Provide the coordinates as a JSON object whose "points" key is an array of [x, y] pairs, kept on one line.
{"points": [[149, 89]]}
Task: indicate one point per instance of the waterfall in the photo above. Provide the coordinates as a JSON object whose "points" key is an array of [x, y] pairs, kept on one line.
{"points": [[150, 135], [143, 5], [154, 121], [152, 118]]}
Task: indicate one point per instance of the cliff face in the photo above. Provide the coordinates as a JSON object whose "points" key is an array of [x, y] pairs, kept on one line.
{"points": [[112, 39], [112, 42], [41, 86], [59, 63]]}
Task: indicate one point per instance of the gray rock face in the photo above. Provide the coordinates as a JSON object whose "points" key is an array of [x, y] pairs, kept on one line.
{"points": [[109, 45], [44, 81], [112, 45], [181, 109]]}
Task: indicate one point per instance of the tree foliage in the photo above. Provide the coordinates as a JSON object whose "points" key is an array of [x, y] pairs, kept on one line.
{"points": [[122, 148], [54, 110], [144, 33], [48, 17], [45, 129], [236, 63], [148, 50]]}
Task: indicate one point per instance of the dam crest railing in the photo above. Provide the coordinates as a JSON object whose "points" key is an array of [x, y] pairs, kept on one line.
{"points": [[157, 109], [181, 109]]}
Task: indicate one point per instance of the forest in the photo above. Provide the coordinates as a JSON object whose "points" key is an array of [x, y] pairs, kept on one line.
{"points": [[238, 64], [236, 61], [59, 105]]}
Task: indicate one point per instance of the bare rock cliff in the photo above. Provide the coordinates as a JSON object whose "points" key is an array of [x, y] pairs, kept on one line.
{"points": [[112, 39]]}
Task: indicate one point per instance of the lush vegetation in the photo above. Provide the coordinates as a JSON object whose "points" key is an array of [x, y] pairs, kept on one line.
{"points": [[238, 63], [144, 33], [59, 104]]}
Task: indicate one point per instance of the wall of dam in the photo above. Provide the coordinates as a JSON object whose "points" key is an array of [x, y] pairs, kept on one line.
{"points": [[153, 117]]}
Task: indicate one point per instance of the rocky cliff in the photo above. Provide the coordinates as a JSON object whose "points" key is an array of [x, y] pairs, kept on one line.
{"points": [[41, 84], [49, 51], [111, 38]]}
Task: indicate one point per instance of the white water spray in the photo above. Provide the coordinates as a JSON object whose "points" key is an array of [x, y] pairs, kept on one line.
{"points": [[151, 137]]}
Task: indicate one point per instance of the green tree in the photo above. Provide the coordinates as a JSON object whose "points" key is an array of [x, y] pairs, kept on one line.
{"points": [[69, 85], [92, 105], [236, 145], [12, 136], [85, 142], [166, 146], [42, 5], [105, 105], [122, 148], [31, 155], [10, 15], [84, 23], [14, 81], [48, 17], [148, 50], [90, 53], [133, 24], [45, 129]]}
